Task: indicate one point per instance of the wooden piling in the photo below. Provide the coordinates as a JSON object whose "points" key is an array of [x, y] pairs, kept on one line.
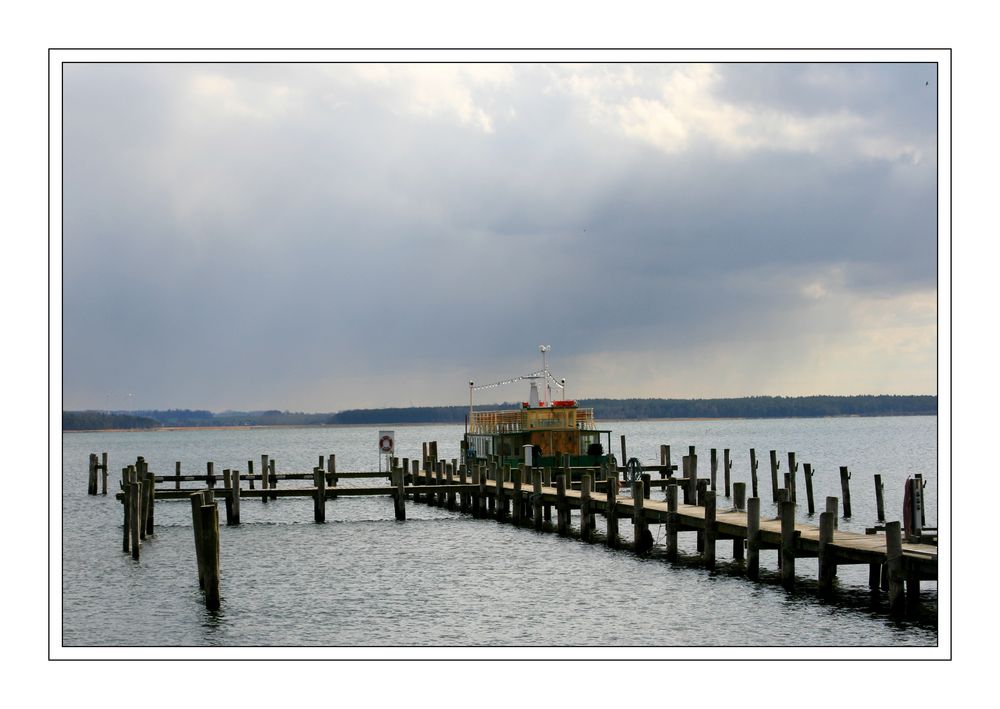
{"points": [[273, 480], [753, 538], [515, 475], [196, 503], [646, 484], [710, 529], [894, 564], [671, 522], [400, 498], [611, 510], [449, 474], [586, 520], [126, 510], [135, 517], [92, 475], [874, 570], [793, 470], [879, 502], [227, 483], [831, 506], [787, 511], [536, 497], [739, 496], [827, 562], [624, 454], [210, 475], [319, 500], [643, 540], [235, 479], [775, 464], [562, 511], [104, 473], [415, 477], [264, 468], [714, 462], [753, 473], [688, 489], [250, 473], [547, 482], [146, 519], [177, 472], [845, 488], [500, 504], [210, 554], [331, 470], [727, 470], [807, 473]]}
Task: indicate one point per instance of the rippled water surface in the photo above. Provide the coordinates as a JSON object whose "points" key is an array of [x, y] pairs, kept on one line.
{"points": [[444, 579]]}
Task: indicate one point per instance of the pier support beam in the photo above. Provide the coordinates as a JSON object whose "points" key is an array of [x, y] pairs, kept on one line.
{"points": [[562, 509], [643, 539], [753, 538], [611, 510], [827, 563], [586, 520], [672, 522], [894, 564], [788, 543], [710, 530], [536, 497]]}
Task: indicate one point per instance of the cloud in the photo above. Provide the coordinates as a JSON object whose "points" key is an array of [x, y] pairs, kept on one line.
{"points": [[328, 236]]}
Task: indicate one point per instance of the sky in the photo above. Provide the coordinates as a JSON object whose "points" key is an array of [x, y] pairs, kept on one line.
{"points": [[316, 237]]}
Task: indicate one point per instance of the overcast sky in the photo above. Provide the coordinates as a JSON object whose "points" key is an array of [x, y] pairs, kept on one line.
{"points": [[329, 236]]}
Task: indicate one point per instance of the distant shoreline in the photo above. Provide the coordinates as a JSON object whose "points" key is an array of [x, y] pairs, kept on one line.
{"points": [[161, 429]]}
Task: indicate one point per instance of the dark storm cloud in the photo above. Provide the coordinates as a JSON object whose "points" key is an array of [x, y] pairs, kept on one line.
{"points": [[317, 237]]}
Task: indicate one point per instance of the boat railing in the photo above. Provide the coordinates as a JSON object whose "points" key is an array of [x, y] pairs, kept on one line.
{"points": [[517, 420]]}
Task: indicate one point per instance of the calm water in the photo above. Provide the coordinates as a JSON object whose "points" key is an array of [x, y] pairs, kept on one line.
{"points": [[363, 579]]}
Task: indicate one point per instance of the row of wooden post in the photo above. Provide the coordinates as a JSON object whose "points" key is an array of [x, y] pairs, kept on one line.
{"points": [[96, 470], [205, 523]]}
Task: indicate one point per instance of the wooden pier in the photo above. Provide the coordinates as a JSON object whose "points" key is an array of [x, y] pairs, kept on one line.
{"points": [[525, 497]]}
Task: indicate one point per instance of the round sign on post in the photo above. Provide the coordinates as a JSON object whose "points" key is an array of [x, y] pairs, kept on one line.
{"points": [[386, 441]]}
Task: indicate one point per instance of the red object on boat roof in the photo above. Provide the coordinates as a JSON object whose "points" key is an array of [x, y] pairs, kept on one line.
{"points": [[564, 402]]}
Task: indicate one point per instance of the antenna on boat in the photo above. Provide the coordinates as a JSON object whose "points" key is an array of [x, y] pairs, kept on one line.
{"points": [[545, 370]]}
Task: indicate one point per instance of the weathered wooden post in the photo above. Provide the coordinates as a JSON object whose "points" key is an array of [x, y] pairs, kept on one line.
{"points": [[788, 537], [894, 564], [624, 455], [463, 479], [439, 497], [104, 473], [753, 473], [693, 475], [793, 469], [400, 483], [331, 470], [148, 497], [879, 502], [177, 474], [845, 488], [643, 540], [562, 513], [236, 497], [319, 496], [210, 475], [92, 475], [196, 503], [831, 506], [740, 496], [775, 464], [135, 519], [500, 495], [449, 474], [671, 522], [264, 469], [515, 475], [611, 510], [210, 554], [547, 482], [273, 476], [415, 477], [753, 538], [250, 475], [664, 461], [688, 486], [710, 529], [227, 484], [874, 570], [647, 484], [807, 473], [536, 497], [727, 470], [126, 509], [586, 519], [714, 461], [827, 561]]}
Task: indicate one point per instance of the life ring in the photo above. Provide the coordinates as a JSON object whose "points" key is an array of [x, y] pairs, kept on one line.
{"points": [[385, 444]]}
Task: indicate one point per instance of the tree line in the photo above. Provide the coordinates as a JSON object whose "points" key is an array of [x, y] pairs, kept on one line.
{"points": [[608, 409]]}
